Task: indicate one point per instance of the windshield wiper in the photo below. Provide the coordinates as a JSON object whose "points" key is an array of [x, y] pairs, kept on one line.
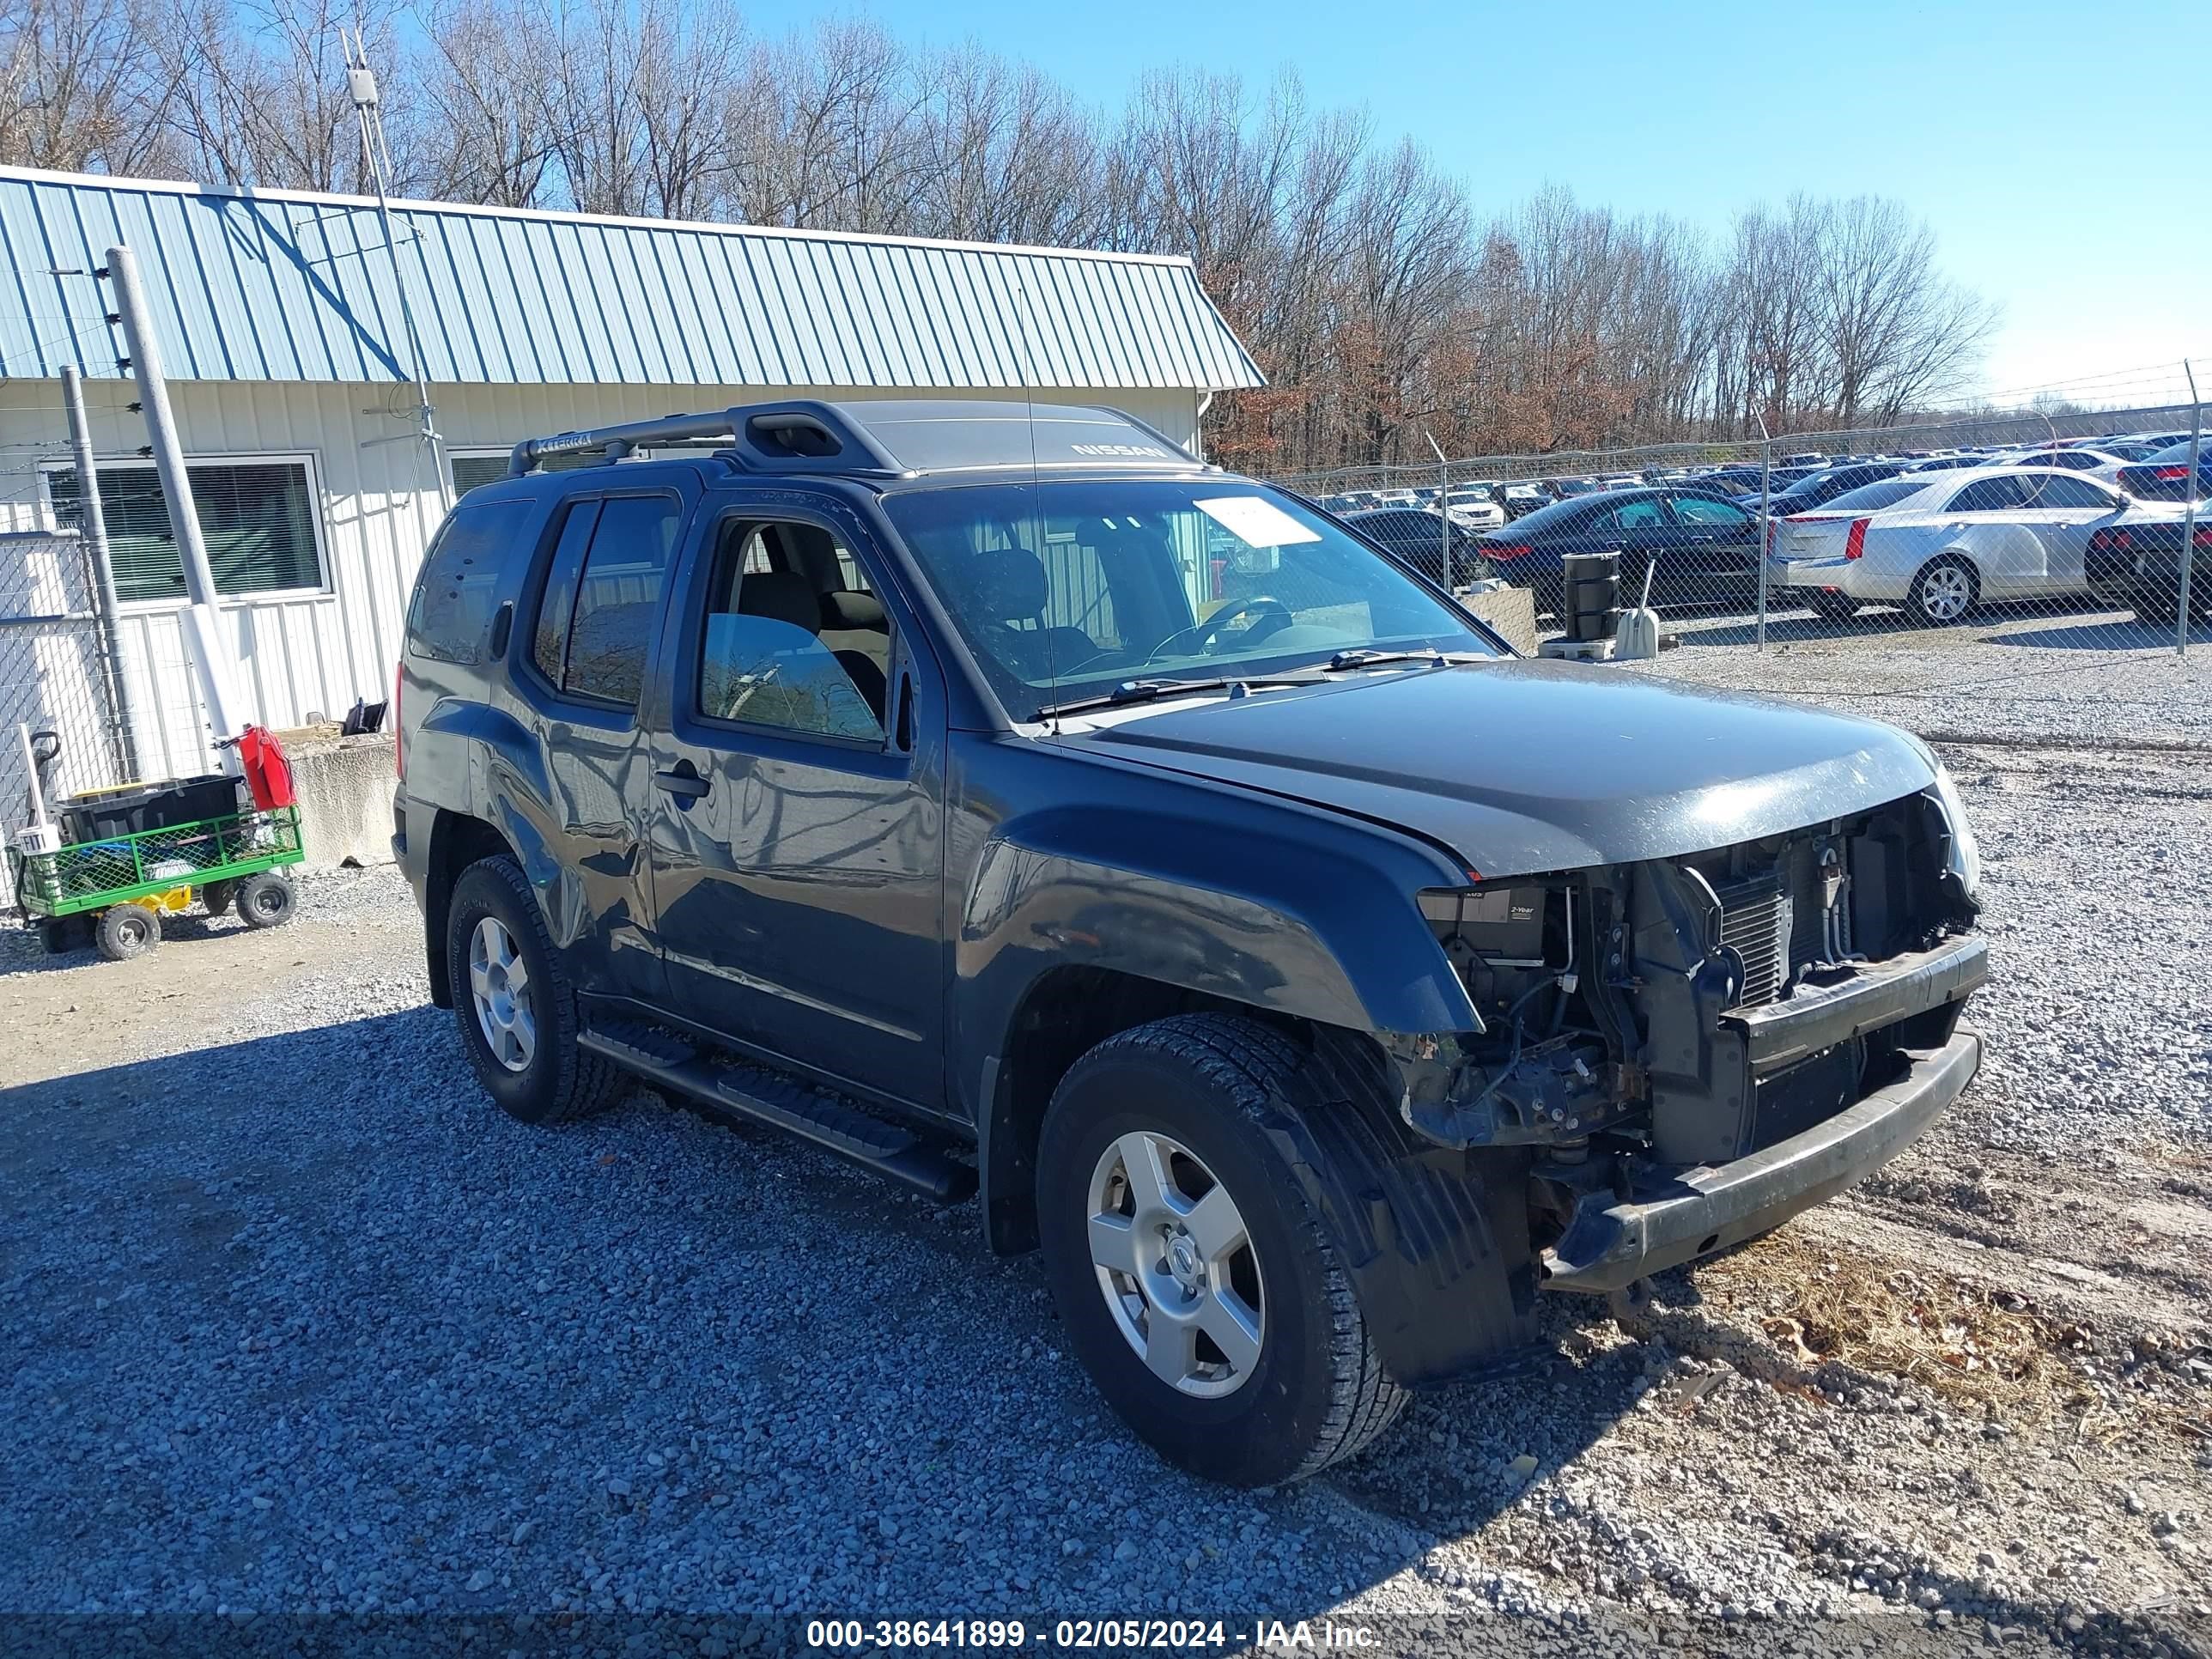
{"points": [[1129, 691], [1364, 659]]}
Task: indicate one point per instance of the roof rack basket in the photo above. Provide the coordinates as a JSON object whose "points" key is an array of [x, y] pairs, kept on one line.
{"points": [[799, 436]]}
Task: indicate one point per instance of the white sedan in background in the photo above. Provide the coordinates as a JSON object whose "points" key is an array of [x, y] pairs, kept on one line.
{"points": [[1475, 507], [1941, 544]]}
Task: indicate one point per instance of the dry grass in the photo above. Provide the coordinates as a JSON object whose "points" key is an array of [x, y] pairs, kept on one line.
{"points": [[1809, 1320], [1959, 1340]]}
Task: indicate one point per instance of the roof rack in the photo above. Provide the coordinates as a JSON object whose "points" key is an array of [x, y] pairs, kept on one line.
{"points": [[889, 437], [799, 436]]}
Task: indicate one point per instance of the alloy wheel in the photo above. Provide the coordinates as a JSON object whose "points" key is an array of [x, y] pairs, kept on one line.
{"points": [[1945, 592], [499, 985], [1176, 1266]]}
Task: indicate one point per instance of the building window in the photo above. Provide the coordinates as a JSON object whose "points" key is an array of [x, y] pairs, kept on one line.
{"points": [[478, 468], [257, 518]]}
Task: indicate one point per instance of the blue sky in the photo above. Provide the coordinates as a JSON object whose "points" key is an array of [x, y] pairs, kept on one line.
{"points": [[2043, 142]]}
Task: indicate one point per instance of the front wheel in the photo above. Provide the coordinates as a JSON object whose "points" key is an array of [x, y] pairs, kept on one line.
{"points": [[1197, 1283]]}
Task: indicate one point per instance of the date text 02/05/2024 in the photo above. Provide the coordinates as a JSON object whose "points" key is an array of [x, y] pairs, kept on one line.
{"points": [[833, 1634]]}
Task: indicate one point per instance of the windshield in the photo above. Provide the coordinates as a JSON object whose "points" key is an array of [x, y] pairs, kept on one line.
{"points": [[1065, 590]]}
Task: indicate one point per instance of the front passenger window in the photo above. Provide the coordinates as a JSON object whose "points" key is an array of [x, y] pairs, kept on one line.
{"points": [[762, 658]]}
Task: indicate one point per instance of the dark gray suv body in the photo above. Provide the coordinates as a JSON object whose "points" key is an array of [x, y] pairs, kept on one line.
{"points": [[1003, 799]]}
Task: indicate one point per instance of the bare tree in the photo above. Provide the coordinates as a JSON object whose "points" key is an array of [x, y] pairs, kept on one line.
{"points": [[260, 90], [488, 79], [1378, 304], [82, 87]]}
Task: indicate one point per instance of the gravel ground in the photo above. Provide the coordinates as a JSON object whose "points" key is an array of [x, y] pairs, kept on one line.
{"points": [[294, 1321], [2014, 672]]}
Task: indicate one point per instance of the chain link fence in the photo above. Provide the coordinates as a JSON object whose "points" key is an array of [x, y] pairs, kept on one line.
{"points": [[1941, 569], [56, 676]]}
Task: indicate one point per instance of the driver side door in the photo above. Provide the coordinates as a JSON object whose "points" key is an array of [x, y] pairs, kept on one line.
{"points": [[797, 825]]}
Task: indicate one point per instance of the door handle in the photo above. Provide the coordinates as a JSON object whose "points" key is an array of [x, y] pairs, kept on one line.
{"points": [[682, 780]]}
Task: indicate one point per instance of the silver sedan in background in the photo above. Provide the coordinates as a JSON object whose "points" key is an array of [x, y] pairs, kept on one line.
{"points": [[1941, 544]]}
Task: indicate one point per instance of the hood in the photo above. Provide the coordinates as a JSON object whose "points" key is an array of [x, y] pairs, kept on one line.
{"points": [[1526, 765]]}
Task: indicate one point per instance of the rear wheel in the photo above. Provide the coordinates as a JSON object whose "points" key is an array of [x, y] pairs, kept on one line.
{"points": [[1946, 591], [127, 931], [266, 899], [1832, 607], [1198, 1285], [217, 896], [514, 1005], [1550, 598]]}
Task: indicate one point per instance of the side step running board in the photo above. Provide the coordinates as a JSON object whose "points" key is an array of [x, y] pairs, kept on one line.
{"points": [[751, 1091]]}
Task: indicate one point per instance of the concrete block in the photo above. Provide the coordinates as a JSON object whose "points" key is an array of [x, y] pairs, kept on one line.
{"points": [[345, 786], [1511, 611]]}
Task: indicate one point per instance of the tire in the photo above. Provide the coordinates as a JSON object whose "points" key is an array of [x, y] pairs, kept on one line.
{"points": [[1299, 1386], [266, 899], [217, 897], [1550, 597], [63, 934], [1944, 593], [127, 931], [539, 1074], [1832, 607]]}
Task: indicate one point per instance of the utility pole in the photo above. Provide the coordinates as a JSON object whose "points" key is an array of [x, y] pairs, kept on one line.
{"points": [[1443, 501], [103, 570], [376, 156], [202, 625], [2189, 515]]}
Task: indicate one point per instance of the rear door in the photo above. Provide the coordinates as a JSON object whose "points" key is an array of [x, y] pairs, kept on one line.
{"points": [[1643, 531], [796, 786], [580, 653], [1717, 547], [1991, 521]]}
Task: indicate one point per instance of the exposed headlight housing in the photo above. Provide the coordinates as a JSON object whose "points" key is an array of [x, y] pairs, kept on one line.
{"points": [[1965, 859]]}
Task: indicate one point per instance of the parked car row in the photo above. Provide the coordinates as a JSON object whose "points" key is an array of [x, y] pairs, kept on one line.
{"points": [[1937, 542], [1937, 532]]}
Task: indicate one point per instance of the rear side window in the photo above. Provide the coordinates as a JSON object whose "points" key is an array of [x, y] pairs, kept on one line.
{"points": [[602, 598], [1989, 496], [1644, 514], [1886, 493], [453, 601]]}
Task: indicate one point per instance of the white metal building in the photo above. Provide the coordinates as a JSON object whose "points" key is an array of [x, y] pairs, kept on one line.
{"points": [[293, 379]]}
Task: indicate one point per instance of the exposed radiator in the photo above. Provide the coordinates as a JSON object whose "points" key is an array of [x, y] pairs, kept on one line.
{"points": [[1755, 923]]}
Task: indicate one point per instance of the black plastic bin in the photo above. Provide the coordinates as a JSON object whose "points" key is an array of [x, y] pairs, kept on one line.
{"points": [[1593, 595], [149, 806]]}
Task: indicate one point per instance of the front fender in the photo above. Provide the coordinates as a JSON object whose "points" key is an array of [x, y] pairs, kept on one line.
{"points": [[1320, 925]]}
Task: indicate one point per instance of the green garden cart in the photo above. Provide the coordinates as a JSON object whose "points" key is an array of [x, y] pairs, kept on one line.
{"points": [[117, 889], [109, 864]]}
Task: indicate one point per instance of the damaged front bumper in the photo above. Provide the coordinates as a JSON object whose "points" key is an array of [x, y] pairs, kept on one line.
{"points": [[1611, 1241]]}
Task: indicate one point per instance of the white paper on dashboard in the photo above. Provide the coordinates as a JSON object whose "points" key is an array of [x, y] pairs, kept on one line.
{"points": [[1255, 520]]}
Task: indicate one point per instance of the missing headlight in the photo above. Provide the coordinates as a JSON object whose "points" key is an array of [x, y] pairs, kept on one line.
{"points": [[1505, 926]]}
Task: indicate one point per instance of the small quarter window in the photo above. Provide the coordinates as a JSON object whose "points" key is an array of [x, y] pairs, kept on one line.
{"points": [[454, 599]]}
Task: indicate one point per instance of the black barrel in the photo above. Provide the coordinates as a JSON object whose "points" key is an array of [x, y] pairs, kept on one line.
{"points": [[1593, 594]]}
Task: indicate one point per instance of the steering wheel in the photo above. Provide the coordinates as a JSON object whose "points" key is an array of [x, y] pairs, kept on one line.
{"points": [[1206, 636]]}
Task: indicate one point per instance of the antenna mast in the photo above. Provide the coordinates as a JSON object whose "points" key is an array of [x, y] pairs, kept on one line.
{"points": [[376, 157]]}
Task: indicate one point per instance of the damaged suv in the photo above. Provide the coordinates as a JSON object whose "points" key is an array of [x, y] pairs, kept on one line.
{"points": [[1012, 804]]}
